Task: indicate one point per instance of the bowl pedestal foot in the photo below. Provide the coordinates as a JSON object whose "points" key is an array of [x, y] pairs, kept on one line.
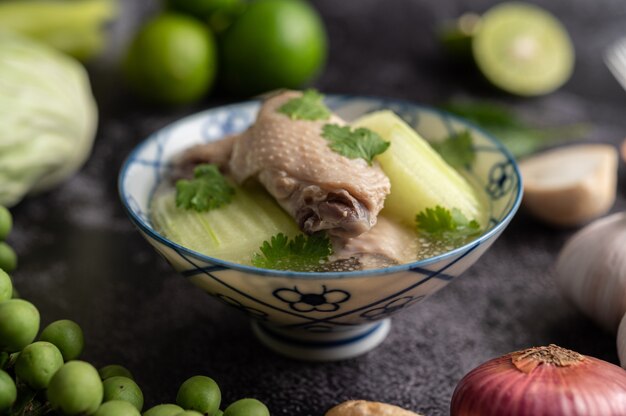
{"points": [[322, 346]]}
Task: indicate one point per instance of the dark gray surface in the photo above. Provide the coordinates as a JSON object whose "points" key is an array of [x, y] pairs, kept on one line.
{"points": [[82, 259]]}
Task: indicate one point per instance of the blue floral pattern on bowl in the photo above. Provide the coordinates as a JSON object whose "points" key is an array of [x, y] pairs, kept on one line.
{"points": [[318, 313]]}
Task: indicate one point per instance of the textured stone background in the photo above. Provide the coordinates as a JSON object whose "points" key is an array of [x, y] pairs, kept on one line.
{"points": [[82, 259]]}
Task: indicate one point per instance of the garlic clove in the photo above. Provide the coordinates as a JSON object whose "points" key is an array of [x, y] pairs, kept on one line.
{"points": [[570, 185], [365, 408], [591, 270], [621, 342]]}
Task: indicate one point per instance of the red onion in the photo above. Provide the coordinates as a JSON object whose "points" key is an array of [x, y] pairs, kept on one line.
{"points": [[542, 381]]}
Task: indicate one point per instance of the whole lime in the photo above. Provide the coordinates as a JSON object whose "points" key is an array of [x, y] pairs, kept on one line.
{"points": [[273, 44], [8, 391], [172, 60], [122, 388], [117, 408]]}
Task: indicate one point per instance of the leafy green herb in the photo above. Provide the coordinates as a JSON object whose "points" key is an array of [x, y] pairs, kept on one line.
{"points": [[301, 253], [307, 107], [208, 190], [457, 150], [360, 143], [516, 135], [446, 226]]}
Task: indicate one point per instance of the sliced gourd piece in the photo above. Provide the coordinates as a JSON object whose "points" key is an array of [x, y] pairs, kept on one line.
{"points": [[570, 185], [233, 232], [420, 178], [523, 49]]}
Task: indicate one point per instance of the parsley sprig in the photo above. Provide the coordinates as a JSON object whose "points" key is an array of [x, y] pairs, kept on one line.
{"points": [[307, 107], [446, 226], [302, 253], [359, 143], [206, 191]]}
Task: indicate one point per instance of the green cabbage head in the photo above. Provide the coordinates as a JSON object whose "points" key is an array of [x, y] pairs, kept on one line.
{"points": [[48, 117]]}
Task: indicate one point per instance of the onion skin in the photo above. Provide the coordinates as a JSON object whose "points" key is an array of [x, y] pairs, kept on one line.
{"points": [[582, 387]]}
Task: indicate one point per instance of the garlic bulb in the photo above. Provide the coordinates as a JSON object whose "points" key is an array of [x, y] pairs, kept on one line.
{"points": [[621, 342], [570, 185], [591, 270], [365, 408]]}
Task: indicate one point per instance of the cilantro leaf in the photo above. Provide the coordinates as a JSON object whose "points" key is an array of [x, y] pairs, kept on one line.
{"points": [[457, 149], [360, 143], [517, 136], [208, 190], [446, 226], [301, 253], [307, 107]]}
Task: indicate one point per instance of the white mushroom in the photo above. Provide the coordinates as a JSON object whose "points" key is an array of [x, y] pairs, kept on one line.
{"points": [[570, 185], [365, 408]]}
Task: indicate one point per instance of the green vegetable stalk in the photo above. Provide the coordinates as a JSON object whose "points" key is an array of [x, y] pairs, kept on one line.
{"points": [[72, 26]]}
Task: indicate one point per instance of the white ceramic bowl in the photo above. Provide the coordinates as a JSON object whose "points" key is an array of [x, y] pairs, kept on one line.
{"points": [[319, 316]]}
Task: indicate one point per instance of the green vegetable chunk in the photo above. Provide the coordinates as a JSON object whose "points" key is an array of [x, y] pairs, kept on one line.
{"points": [[6, 222], [67, 336], [208, 190], [247, 407], [114, 370], [420, 178], [360, 143], [117, 408], [75, 389], [48, 107], [8, 391], [457, 150], [8, 258], [19, 324], [122, 388], [229, 233], [164, 410], [448, 226], [37, 363], [6, 286], [199, 393], [74, 27], [298, 254], [307, 107]]}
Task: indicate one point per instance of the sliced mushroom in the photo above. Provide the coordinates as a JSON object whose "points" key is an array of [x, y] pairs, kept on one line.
{"points": [[570, 185], [365, 408]]}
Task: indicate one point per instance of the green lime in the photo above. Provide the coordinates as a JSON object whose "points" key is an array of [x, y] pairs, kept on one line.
{"points": [[113, 370], [122, 388], [8, 258], [37, 363], [219, 14], [172, 60], [189, 413], [6, 222], [273, 44], [67, 336], [523, 49], [75, 389], [8, 391], [6, 286], [164, 410]]}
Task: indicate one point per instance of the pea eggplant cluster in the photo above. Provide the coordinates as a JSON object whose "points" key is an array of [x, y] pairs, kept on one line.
{"points": [[42, 375]]}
